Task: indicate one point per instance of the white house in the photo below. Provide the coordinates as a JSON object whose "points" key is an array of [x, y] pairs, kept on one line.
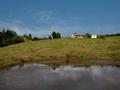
{"points": [[75, 35], [93, 36]]}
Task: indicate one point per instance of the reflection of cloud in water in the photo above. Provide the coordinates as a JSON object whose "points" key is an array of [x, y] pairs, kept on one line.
{"points": [[43, 77]]}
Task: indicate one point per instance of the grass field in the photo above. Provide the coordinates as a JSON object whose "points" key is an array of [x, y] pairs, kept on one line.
{"points": [[62, 51]]}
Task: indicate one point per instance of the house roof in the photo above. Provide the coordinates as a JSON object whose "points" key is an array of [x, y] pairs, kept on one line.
{"points": [[76, 34]]}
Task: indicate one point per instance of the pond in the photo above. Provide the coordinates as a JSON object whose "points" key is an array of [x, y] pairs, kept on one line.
{"points": [[44, 77]]}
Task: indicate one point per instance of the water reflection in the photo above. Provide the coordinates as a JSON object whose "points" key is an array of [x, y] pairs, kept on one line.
{"points": [[43, 77]]}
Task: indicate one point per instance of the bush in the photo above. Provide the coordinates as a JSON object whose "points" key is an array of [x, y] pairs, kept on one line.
{"points": [[35, 39], [18, 39], [101, 36], [2, 43], [50, 37]]}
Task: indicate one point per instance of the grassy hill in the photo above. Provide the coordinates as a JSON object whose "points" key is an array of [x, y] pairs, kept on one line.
{"points": [[62, 51]]}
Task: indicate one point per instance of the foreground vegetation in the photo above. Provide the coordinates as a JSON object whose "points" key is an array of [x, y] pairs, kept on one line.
{"points": [[63, 51]]}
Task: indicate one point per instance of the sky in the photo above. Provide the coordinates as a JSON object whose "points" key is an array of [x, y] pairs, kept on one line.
{"points": [[41, 17]]}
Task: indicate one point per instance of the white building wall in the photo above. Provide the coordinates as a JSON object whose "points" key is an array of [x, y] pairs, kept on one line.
{"points": [[72, 36], [94, 36]]}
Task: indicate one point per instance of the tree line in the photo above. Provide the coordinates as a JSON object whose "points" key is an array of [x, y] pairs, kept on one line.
{"points": [[108, 35], [8, 37], [88, 35]]}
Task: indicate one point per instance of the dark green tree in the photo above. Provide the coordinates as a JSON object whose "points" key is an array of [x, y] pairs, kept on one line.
{"points": [[56, 35], [50, 37], [88, 35], [53, 35], [8, 37], [10, 34], [30, 36]]}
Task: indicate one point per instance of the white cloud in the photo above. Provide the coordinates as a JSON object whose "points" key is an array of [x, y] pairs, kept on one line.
{"points": [[40, 32], [20, 29], [97, 29], [64, 29]]}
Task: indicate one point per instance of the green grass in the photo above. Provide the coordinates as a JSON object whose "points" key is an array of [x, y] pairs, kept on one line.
{"points": [[78, 51]]}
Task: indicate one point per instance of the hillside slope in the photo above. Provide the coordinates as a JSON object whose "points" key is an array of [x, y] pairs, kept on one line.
{"points": [[61, 51]]}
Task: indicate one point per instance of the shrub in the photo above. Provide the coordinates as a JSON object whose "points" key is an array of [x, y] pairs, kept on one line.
{"points": [[35, 39], [101, 36], [18, 39]]}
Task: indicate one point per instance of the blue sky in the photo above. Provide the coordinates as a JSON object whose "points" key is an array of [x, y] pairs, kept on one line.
{"points": [[41, 17]]}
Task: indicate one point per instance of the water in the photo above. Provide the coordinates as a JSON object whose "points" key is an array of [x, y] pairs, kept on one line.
{"points": [[43, 77]]}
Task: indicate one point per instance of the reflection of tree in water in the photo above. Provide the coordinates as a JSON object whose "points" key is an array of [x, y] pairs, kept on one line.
{"points": [[53, 67], [67, 58]]}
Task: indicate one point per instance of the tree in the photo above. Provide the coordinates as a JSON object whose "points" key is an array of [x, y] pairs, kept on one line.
{"points": [[10, 34], [88, 35], [50, 37], [8, 37], [56, 35], [30, 36], [27, 37], [53, 35]]}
